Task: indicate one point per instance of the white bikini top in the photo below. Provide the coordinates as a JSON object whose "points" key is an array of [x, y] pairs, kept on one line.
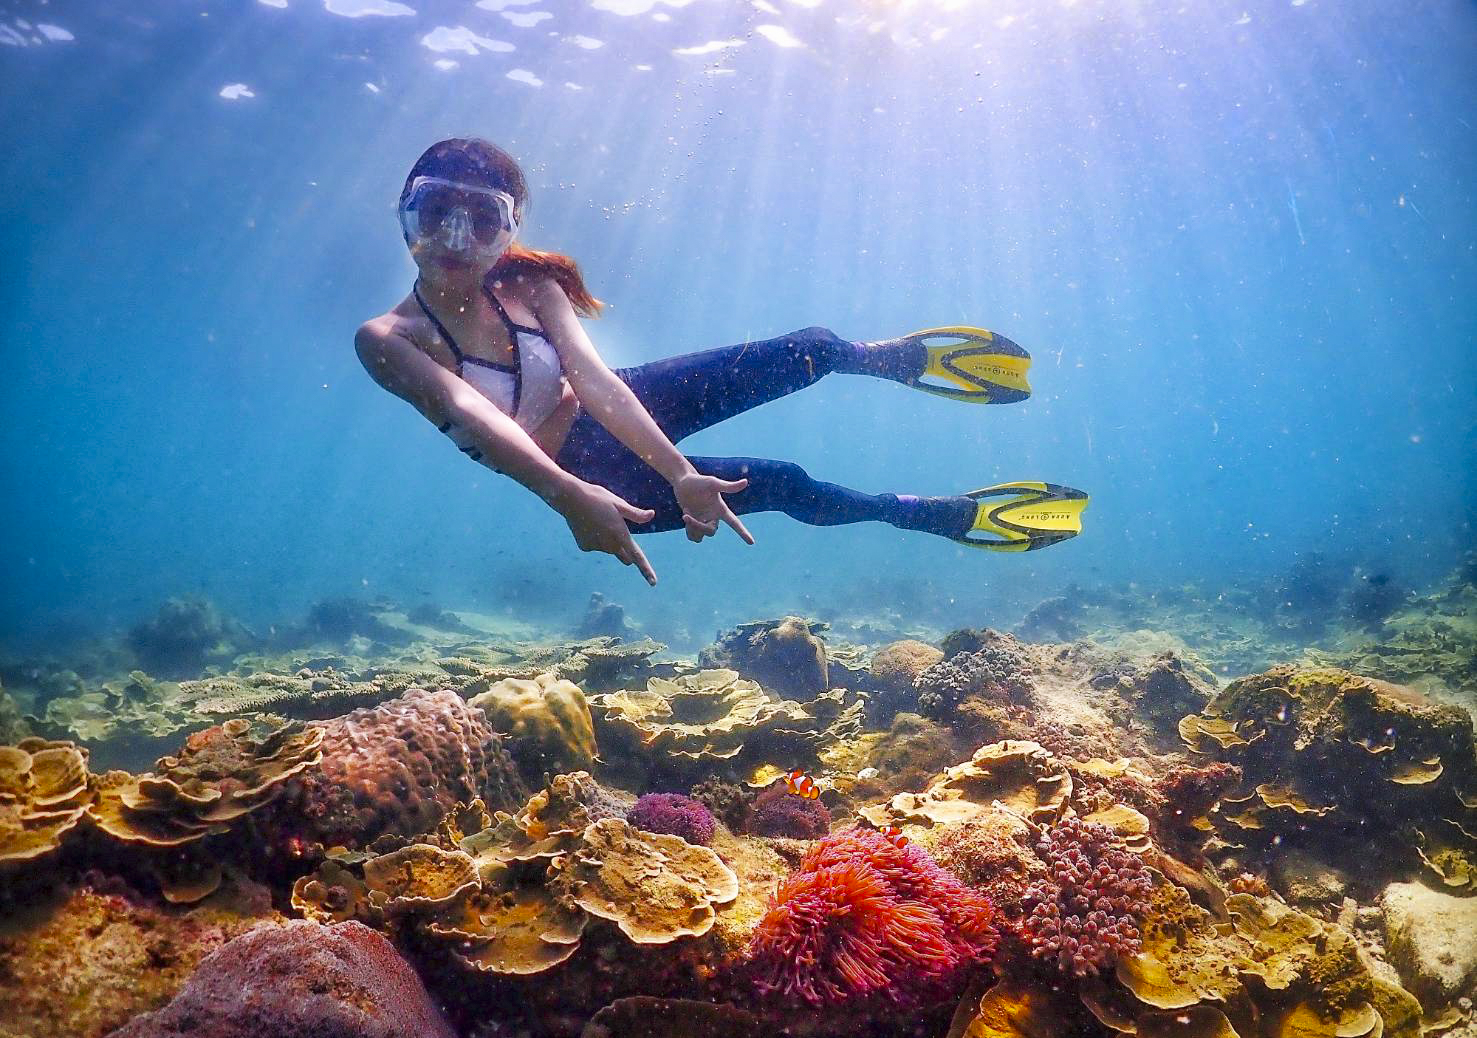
{"points": [[527, 391]]}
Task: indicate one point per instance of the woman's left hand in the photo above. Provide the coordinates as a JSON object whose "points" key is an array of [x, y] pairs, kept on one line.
{"points": [[703, 507]]}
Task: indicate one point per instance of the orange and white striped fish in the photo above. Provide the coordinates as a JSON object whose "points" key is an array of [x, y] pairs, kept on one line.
{"points": [[802, 785], [894, 836]]}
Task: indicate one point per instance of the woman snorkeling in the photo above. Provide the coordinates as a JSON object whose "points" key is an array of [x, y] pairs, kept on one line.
{"points": [[488, 346]]}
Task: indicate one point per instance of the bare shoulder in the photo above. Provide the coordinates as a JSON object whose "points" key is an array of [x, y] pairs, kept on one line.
{"points": [[378, 332]]}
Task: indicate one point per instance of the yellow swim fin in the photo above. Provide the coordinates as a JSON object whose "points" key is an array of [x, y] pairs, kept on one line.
{"points": [[1025, 516], [972, 364]]}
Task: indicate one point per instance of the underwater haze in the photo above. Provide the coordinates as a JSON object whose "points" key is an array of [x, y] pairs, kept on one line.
{"points": [[309, 725], [1237, 238]]}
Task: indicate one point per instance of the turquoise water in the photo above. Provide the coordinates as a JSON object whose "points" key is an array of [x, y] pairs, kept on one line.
{"points": [[1237, 238]]}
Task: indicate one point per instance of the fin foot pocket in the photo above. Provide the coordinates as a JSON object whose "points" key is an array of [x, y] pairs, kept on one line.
{"points": [[1024, 516], [972, 364]]}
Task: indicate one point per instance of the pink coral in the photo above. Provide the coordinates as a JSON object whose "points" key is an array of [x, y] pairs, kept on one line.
{"points": [[1086, 915], [863, 919], [301, 980], [778, 812], [675, 814], [398, 767]]}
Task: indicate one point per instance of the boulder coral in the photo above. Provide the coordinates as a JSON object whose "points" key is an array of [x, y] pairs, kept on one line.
{"points": [[397, 768], [862, 920], [299, 980], [785, 655], [546, 721]]}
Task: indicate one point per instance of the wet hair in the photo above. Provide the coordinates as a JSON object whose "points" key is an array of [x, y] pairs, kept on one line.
{"points": [[472, 160]]}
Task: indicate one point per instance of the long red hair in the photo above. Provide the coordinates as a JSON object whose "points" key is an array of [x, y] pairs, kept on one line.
{"points": [[520, 260], [477, 161]]}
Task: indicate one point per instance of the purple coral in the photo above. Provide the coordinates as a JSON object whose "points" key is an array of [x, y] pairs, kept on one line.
{"points": [[1086, 915], [675, 814], [778, 812]]}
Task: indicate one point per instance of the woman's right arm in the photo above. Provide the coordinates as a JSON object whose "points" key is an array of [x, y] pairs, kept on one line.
{"points": [[596, 517]]}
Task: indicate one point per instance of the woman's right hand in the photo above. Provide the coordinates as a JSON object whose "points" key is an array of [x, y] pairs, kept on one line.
{"points": [[597, 518]]}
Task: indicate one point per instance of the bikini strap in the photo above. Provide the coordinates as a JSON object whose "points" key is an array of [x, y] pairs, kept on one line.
{"points": [[513, 326], [456, 351]]}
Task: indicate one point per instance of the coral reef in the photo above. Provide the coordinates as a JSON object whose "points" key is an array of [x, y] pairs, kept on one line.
{"points": [[863, 920], [516, 898], [185, 636], [1187, 795], [992, 667], [399, 767], [44, 794], [299, 979], [546, 721], [339, 621], [785, 655], [1348, 759], [1270, 970], [221, 774], [713, 720], [674, 814], [603, 618], [894, 674], [777, 812], [1085, 916], [81, 963], [1022, 776], [135, 709], [729, 802]]}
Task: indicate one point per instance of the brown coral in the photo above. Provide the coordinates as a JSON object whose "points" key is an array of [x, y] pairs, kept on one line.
{"points": [[1020, 775], [1349, 758], [43, 796], [399, 768], [221, 774], [547, 721]]}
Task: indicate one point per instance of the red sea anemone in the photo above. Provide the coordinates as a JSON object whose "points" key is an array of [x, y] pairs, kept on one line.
{"points": [[861, 919]]}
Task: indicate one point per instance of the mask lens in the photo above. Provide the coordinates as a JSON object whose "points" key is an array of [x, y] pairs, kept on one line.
{"points": [[453, 214]]}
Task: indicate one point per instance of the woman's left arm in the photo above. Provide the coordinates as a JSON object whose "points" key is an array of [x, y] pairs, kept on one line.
{"points": [[614, 406]]}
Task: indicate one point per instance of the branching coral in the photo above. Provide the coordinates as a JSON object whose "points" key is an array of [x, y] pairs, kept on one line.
{"points": [[1087, 914], [989, 666], [675, 814], [777, 812], [863, 919]]}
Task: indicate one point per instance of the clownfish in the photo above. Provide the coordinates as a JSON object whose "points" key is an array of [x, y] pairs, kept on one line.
{"points": [[802, 785], [894, 836]]}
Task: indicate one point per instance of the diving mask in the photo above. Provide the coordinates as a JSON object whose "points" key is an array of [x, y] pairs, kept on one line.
{"points": [[478, 221]]}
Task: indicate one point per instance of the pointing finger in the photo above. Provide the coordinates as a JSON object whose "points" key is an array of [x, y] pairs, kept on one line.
{"points": [[738, 527]]}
